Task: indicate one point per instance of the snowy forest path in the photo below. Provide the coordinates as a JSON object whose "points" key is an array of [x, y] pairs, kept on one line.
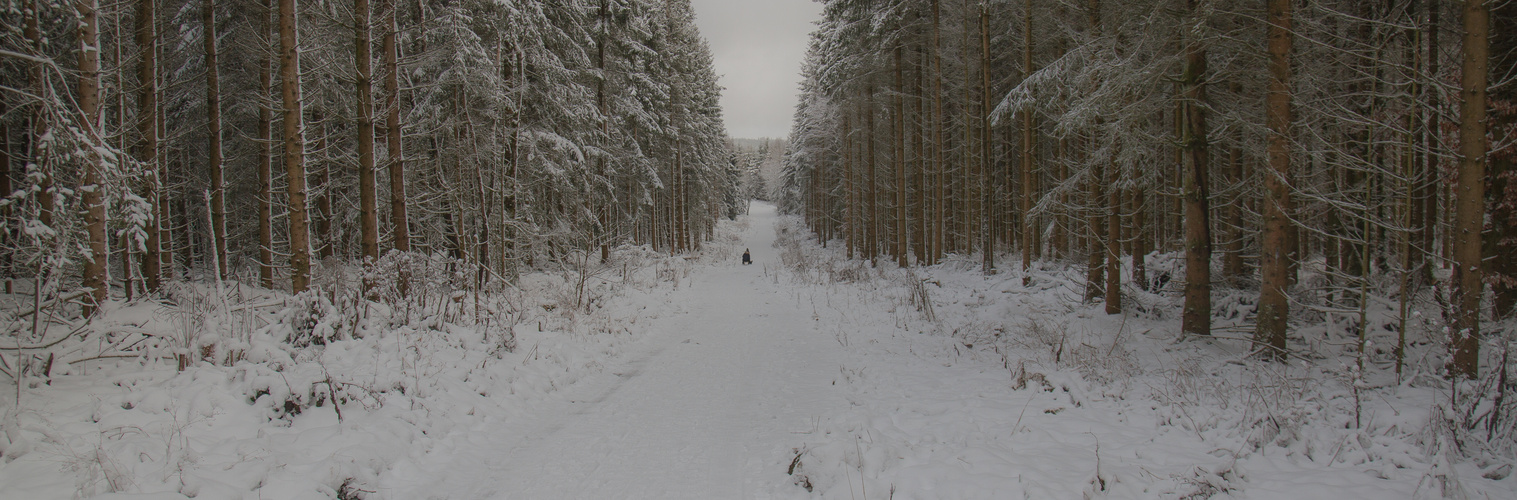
{"points": [[706, 407]]}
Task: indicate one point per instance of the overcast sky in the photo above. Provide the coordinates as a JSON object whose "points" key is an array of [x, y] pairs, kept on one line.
{"points": [[758, 46]]}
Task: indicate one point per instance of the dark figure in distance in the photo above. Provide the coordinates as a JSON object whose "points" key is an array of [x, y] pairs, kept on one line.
{"points": [[746, 259]]}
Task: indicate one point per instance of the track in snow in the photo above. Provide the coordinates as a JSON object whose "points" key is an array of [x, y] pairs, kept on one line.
{"points": [[707, 406]]}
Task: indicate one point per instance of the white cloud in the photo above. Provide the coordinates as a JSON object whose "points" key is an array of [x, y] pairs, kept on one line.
{"points": [[758, 46]]}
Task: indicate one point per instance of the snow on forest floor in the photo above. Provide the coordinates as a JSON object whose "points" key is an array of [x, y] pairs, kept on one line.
{"points": [[701, 378], [999, 390]]}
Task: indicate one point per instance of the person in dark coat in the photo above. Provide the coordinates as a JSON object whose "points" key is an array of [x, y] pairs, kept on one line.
{"points": [[746, 258]]}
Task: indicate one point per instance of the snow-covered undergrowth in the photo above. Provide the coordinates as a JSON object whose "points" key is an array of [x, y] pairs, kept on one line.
{"points": [[315, 396], [967, 386]]}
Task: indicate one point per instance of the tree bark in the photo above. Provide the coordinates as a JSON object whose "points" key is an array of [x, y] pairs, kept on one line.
{"points": [[1431, 180], [323, 244], [1274, 308], [920, 134], [1062, 219], [850, 193], [967, 218], [40, 125], [147, 143], [401, 232], [938, 168], [1142, 242], [167, 165], [128, 247], [294, 146], [1095, 201], [871, 190], [987, 183], [1469, 193], [7, 222], [1232, 256], [368, 198], [1113, 241], [1501, 238], [1196, 316], [1028, 225], [603, 223], [91, 185], [266, 155], [1095, 233], [213, 130], [900, 163]]}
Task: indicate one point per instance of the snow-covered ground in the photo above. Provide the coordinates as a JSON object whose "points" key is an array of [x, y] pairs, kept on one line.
{"points": [[801, 376], [707, 405]]}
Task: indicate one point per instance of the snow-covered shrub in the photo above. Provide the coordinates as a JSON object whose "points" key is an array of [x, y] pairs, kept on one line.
{"points": [[584, 279], [1106, 366], [810, 263], [848, 271], [500, 314], [790, 238], [673, 269], [1040, 334], [1483, 415], [920, 298], [311, 319], [847, 466], [419, 286], [726, 244], [1166, 273], [201, 323], [1233, 306], [630, 261]]}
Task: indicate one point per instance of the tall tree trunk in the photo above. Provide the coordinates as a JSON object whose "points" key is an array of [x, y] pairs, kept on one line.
{"points": [[677, 193], [1469, 192], [872, 205], [482, 241], [165, 166], [40, 125], [605, 124], [324, 244], [1142, 239], [213, 129], [1176, 212], [7, 222], [183, 249], [368, 197], [920, 132], [1501, 239], [401, 232], [513, 173], [1062, 219], [1196, 317], [1029, 228], [91, 185], [938, 167], [266, 154], [850, 193], [987, 183], [1113, 240], [294, 146], [1431, 180], [147, 144], [1274, 308], [968, 217], [1095, 218], [1095, 229], [1232, 256], [1411, 166], [900, 163]]}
